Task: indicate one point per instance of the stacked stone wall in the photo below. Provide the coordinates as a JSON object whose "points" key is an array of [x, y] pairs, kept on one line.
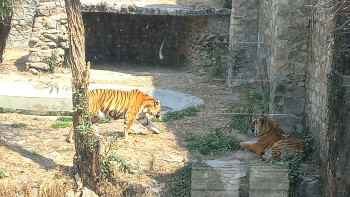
{"points": [[49, 35], [204, 41], [244, 41], [21, 24], [320, 66], [282, 59]]}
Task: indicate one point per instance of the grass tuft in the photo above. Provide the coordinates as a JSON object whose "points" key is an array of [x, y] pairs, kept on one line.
{"points": [[175, 115], [249, 102], [213, 142], [2, 174], [63, 122], [18, 125]]}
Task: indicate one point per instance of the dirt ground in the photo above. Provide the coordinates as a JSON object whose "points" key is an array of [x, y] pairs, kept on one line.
{"points": [[37, 156]]}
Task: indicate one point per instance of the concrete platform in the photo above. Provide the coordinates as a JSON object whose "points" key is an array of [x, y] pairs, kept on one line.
{"points": [[232, 178], [56, 99]]}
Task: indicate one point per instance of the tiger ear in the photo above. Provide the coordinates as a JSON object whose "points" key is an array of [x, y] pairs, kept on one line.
{"points": [[262, 120], [157, 103]]}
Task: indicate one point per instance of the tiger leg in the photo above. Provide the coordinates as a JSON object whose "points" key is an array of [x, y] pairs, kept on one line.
{"points": [[70, 137], [128, 120], [148, 124], [253, 146]]}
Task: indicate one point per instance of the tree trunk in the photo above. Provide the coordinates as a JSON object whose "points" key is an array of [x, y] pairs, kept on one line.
{"points": [[5, 23], [87, 145]]}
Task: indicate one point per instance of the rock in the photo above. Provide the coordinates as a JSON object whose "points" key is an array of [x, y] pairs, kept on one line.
{"points": [[155, 192], [43, 66], [87, 192], [34, 71]]}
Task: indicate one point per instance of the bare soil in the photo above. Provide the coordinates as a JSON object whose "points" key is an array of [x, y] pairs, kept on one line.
{"points": [[36, 156]]}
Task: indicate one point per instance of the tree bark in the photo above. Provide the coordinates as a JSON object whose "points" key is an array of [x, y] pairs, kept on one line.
{"points": [[5, 23], [87, 145]]}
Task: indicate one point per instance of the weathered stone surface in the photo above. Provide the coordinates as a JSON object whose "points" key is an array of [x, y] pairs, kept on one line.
{"points": [[43, 66]]}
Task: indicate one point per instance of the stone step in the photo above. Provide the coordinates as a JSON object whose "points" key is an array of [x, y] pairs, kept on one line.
{"points": [[230, 178]]}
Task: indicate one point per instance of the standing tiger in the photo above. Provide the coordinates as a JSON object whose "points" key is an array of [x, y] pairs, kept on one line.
{"points": [[127, 105], [272, 140]]}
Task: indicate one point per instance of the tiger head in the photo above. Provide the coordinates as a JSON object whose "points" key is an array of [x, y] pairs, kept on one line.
{"points": [[261, 125], [153, 108]]}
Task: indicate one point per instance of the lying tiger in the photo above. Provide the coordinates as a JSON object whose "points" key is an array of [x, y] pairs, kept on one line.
{"points": [[127, 105], [272, 140]]}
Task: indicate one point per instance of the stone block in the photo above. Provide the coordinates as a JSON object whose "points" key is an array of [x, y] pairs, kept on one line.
{"points": [[43, 66]]}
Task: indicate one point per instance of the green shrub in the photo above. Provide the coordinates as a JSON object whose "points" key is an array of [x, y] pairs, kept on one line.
{"points": [[175, 115], [2, 174], [249, 103], [18, 125], [179, 183], [292, 159], [213, 142], [63, 122], [52, 61]]}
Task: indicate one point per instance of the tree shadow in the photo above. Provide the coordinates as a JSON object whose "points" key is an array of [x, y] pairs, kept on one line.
{"points": [[44, 162], [21, 63]]}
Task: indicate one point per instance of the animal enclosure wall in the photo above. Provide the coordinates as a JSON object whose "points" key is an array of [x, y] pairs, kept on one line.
{"points": [[153, 39], [132, 38]]}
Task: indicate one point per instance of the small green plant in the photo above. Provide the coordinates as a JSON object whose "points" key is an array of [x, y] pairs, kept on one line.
{"points": [[5, 8], [242, 110], [310, 148], [227, 4], [66, 62], [52, 61], [64, 150], [63, 122], [179, 183], [213, 142], [175, 115], [216, 50], [104, 121], [2, 174], [18, 125], [292, 159]]}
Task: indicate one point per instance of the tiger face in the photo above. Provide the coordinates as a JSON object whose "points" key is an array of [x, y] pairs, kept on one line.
{"points": [[261, 125], [154, 109]]}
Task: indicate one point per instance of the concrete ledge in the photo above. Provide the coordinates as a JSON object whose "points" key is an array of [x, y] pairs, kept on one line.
{"points": [[56, 99], [152, 9]]}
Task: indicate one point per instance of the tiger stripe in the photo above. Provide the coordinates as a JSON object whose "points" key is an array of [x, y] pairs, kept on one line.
{"points": [[128, 105], [272, 141]]}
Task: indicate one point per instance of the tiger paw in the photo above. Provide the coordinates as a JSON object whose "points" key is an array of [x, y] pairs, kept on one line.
{"points": [[155, 130]]}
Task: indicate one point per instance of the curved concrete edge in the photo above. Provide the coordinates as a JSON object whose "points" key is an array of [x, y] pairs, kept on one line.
{"points": [[56, 98]]}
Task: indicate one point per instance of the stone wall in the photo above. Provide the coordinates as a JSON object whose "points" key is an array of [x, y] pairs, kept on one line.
{"points": [[243, 42], [204, 41], [321, 49], [49, 35], [282, 60], [21, 24]]}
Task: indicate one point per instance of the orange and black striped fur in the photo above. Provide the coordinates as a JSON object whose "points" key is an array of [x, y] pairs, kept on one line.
{"points": [[272, 140], [127, 105]]}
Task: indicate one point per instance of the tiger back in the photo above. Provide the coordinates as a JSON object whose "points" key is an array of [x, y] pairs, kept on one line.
{"points": [[128, 105], [272, 141]]}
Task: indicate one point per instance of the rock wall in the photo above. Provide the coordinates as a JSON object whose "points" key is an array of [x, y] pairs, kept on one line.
{"points": [[21, 24], [244, 41], [204, 41], [49, 38], [282, 58], [321, 49]]}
